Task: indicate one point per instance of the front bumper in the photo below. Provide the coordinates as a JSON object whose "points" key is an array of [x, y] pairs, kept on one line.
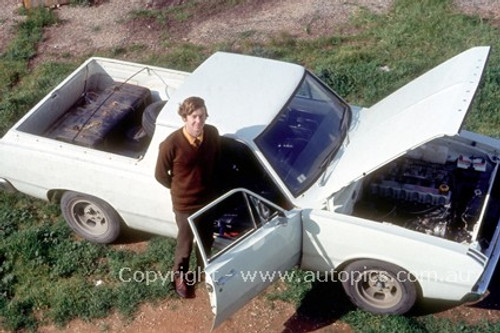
{"points": [[6, 186], [480, 290], [474, 298]]}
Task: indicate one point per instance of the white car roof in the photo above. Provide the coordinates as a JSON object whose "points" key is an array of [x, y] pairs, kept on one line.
{"points": [[243, 94]]}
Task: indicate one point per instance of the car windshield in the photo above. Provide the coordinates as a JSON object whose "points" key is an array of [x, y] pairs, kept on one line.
{"points": [[305, 136]]}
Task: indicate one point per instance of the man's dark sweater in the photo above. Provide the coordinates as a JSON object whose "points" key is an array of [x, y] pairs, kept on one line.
{"points": [[189, 172]]}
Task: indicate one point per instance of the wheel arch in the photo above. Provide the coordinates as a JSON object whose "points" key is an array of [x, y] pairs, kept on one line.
{"points": [[54, 196]]}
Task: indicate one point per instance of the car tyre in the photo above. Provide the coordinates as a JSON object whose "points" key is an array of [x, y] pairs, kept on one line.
{"points": [[149, 117], [379, 287], [91, 217]]}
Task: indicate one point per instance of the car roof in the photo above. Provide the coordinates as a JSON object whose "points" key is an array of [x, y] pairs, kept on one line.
{"points": [[243, 94]]}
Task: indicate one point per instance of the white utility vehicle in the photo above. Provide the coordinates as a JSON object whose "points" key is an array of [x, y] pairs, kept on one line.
{"points": [[395, 199]]}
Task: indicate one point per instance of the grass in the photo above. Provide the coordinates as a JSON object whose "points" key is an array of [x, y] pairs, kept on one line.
{"points": [[191, 9], [49, 276], [364, 322], [83, 2], [46, 275], [20, 88], [412, 38], [14, 60]]}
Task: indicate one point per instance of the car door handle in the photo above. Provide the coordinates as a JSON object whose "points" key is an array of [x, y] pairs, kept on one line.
{"points": [[223, 279]]}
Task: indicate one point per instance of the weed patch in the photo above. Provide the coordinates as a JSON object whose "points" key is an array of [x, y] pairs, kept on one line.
{"points": [[44, 269], [364, 322]]}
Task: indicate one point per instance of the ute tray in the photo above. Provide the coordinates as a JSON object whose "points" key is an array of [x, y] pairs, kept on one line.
{"points": [[97, 114]]}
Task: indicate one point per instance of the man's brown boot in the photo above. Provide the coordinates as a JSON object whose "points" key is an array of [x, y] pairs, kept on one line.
{"points": [[182, 288]]}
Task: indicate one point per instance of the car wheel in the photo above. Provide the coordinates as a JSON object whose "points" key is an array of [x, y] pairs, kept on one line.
{"points": [[149, 117], [90, 217], [379, 287]]}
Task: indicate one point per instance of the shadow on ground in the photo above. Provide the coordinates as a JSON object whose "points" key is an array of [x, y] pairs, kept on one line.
{"points": [[323, 305], [131, 236]]}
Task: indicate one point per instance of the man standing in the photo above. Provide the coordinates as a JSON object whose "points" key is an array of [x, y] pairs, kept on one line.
{"points": [[187, 164]]}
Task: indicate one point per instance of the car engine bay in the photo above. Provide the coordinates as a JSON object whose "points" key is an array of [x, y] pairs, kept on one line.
{"points": [[445, 190]]}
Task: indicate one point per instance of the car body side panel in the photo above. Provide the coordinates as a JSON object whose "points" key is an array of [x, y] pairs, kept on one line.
{"points": [[146, 205], [482, 141], [443, 268]]}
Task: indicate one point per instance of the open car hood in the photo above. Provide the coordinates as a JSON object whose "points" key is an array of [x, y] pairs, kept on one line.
{"points": [[431, 106]]}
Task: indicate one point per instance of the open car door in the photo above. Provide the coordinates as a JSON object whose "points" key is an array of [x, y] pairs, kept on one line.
{"points": [[246, 243]]}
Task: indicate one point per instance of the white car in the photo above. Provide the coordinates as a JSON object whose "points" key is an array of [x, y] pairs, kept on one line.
{"points": [[394, 200]]}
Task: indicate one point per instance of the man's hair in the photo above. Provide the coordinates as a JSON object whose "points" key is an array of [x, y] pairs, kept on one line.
{"points": [[190, 105]]}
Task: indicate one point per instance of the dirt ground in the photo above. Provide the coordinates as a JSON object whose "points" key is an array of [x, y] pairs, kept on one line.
{"points": [[86, 30]]}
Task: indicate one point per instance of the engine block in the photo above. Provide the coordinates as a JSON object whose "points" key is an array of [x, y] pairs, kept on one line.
{"points": [[414, 181]]}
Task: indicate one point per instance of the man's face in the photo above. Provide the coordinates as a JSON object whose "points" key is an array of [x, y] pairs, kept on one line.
{"points": [[195, 122]]}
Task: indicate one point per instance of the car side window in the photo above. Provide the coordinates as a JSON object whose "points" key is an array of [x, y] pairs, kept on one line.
{"points": [[230, 221]]}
